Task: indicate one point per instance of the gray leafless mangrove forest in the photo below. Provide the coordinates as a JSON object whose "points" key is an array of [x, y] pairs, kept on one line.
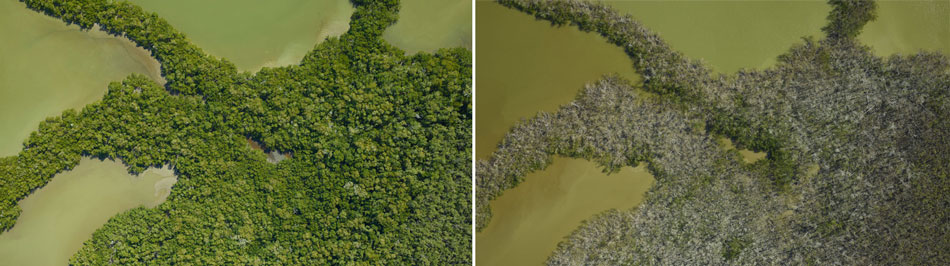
{"points": [[857, 168]]}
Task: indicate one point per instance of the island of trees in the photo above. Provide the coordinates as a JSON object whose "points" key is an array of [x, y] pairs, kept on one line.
{"points": [[381, 144], [858, 165]]}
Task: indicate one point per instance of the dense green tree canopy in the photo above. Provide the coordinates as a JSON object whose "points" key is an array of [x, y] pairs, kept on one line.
{"points": [[381, 145]]}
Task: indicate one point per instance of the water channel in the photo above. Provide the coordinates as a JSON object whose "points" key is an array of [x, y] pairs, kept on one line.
{"points": [[60, 216], [254, 34], [529, 220], [427, 25], [526, 66], [47, 67], [730, 35], [907, 27]]}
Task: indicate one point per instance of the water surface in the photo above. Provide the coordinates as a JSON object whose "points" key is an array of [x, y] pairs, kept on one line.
{"points": [[47, 67], [730, 35], [273, 156], [427, 25], [529, 220], [254, 34], [60, 216], [906, 27], [526, 66], [747, 155]]}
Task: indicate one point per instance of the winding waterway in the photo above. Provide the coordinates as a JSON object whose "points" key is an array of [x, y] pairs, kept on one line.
{"points": [[254, 34], [526, 66], [47, 67], [60, 216], [907, 27], [730, 35], [529, 220], [427, 25], [747, 155]]}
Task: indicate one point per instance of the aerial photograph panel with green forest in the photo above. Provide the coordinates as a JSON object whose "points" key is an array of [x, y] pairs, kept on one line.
{"points": [[217, 132]]}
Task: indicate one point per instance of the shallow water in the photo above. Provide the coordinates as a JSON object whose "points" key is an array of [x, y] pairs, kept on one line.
{"points": [[427, 25], [529, 220], [59, 217], [254, 34], [906, 27], [272, 156], [747, 155], [526, 66], [730, 35], [47, 67]]}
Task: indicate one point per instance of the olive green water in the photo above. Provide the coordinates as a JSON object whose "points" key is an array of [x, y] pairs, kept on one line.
{"points": [[526, 66], [906, 27], [254, 34], [529, 220], [747, 155], [271, 155], [47, 67], [427, 25], [730, 35], [57, 218]]}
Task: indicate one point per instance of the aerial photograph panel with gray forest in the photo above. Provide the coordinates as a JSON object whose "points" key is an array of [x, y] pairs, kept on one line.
{"points": [[730, 133]]}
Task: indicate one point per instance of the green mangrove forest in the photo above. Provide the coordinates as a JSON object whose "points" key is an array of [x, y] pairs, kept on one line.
{"points": [[857, 150], [379, 145]]}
